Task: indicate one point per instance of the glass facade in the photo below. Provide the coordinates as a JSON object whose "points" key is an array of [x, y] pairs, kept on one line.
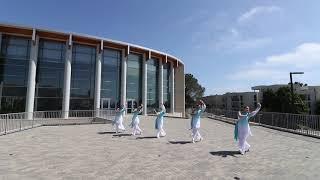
{"points": [[14, 65], [17, 46], [82, 77], [152, 84], [134, 80], [50, 74], [110, 78], [166, 86]]}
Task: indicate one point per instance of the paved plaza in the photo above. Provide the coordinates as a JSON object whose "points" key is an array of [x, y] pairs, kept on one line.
{"points": [[95, 152]]}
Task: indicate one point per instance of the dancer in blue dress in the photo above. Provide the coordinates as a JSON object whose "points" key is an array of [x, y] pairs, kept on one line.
{"points": [[159, 122], [118, 120], [195, 121], [242, 128], [135, 121]]}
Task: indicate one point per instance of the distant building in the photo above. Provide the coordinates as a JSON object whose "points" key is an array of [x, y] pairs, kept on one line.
{"points": [[311, 94], [215, 101], [233, 101], [238, 100]]}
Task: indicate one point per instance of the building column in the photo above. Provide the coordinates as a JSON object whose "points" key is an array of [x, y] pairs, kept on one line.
{"points": [[98, 79], [172, 95], [144, 84], [124, 77], [67, 80], [32, 75], [160, 82]]}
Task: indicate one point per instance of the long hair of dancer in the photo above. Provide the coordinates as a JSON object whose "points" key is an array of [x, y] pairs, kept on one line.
{"points": [[242, 128]]}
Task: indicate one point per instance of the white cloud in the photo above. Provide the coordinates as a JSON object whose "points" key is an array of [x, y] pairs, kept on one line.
{"points": [[304, 56], [252, 43], [196, 17], [257, 10], [234, 32], [219, 33], [275, 68], [232, 43], [231, 88]]}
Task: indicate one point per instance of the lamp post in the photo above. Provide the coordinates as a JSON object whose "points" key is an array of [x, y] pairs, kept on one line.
{"points": [[292, 99]]}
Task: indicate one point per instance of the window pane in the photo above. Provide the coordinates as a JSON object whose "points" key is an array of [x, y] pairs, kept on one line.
{"points": [[49, 104], [152, 84], [111, 76], [14, 65], [50, 75], [166, 86], [52, 55], [134, 77], [82, 77]]}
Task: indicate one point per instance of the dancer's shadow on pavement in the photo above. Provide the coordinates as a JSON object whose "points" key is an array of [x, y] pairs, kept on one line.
{"points": [[225, 153], [180, 142], [121, 135], [107, 132], [147, 137]]}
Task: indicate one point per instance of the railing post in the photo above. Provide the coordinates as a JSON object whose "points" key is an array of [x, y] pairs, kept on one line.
{"points": [[287, 117], [20, 122], [272, 119], [32, 120], [6, 123]]}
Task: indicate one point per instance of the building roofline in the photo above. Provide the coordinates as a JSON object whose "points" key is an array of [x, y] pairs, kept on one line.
{"points": [[18, 26]]}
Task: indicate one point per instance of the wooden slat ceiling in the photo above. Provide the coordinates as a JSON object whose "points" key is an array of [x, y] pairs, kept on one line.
{"points": [[138, 50], [14, 30], [58, 36]]}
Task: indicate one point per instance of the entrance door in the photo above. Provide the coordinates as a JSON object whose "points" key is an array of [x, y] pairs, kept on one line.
{"points": [[105, 103], [131, 105]]}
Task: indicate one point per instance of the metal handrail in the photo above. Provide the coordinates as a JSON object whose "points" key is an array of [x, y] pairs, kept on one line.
{"points": [[298, 123], [14, 122]]}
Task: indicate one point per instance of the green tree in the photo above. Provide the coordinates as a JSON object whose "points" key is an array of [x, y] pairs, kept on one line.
{"points": [[280, 101], [194, 91], [269, 100], [283, 98]]}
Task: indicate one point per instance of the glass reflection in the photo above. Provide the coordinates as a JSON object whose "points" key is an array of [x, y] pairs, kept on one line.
{"points": [[152, 84], [14, 65], [110, 78], [166, 86], [50, 75], [134, 80], [82, 77]]}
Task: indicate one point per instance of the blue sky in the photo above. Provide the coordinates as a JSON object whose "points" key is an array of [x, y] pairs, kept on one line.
{"points": [[228, 45]]}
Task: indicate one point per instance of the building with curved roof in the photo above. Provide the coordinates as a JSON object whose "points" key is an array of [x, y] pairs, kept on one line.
{"points": [[47, 70]]}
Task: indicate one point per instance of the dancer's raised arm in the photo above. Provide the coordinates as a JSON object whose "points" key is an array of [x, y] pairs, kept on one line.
{"points": [[253, 113], [203, 105]]}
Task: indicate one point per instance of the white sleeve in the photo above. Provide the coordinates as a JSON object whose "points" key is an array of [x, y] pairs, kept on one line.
{"points": [[204, 107], [253, 113]]}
